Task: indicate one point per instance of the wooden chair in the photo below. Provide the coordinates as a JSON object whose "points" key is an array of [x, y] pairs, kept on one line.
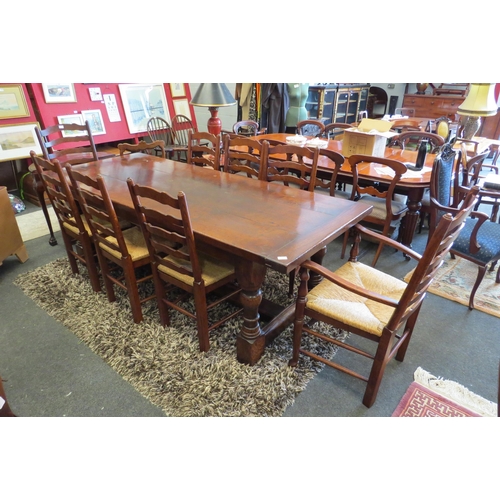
{"points": [[313, 128], [291, 164], [204, 150], [160, 130], [177, 264], [248, 128], [368, 303], [68, 143], [151, 148], [405, 125], [479, 241], [388, 207], [250, 158], [411, 140], [116, 249], [335, 130], [181, 126], [73, 228]]}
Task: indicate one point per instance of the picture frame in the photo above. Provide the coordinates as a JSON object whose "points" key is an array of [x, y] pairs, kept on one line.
{"points": [[13, 102], [177, 90], [95, 94], [75, 118], [142, 101], [181, 107], [16, 141], [59, 92], [94, 117]]}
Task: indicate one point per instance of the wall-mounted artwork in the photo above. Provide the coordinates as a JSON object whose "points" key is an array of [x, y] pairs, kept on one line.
{"points": [[181, 107], [59, 92], [76, 118], [141, 102], [16, 141], [13, 102], [94, 117]]}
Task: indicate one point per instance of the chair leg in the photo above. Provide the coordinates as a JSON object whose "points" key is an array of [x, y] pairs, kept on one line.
{"points": [[481, 271], [291, 282], [377, 371], [40, 191], [200, 302], [344, 244], [91, 265], [299, 318], [68, 242], [133, 291], [377, 254], [160, 293]]}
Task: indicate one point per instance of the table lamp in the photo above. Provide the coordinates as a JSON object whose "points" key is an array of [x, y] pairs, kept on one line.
{"points": [[480, 101], [213, 96]]}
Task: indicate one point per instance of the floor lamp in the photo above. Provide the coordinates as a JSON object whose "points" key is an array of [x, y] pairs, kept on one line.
{"points": [[480, 101], [213, 96]]}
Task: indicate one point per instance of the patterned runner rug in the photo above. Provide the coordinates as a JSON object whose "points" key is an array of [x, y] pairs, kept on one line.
{"points": [[165, 364], [455, 280], [429, 396]]}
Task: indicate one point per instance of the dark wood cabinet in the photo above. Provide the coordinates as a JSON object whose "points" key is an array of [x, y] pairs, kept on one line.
{"points": [[337, 102], [432, 106]]}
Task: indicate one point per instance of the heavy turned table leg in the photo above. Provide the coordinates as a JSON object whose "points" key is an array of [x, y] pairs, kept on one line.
{"points": [[251, 342], [410, 220]]}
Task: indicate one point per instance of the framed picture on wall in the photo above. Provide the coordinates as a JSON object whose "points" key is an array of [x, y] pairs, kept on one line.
{"points": [[94, 117], [13, 102], [16, 141], [78, 119], [181, 107], [59, 92], [142, 101], [177, 90]]}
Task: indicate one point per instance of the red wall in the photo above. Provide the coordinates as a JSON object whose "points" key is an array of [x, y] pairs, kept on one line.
{"points": [[115, 131]]}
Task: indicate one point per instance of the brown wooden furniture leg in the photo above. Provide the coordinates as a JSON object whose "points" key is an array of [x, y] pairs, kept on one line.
{"points": [[251, 342], [410, 220], [40, 191], [5, 410]]}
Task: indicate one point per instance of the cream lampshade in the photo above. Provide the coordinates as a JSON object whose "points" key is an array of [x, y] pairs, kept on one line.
{"points": [[480, 101]]}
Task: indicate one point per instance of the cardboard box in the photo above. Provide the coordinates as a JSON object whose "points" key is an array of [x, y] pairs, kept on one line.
{"points": [[368, 138]]}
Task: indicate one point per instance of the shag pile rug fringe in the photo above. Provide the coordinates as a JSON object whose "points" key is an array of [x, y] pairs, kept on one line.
{"points": [[455, 279], [430, 396], [165, 364]]}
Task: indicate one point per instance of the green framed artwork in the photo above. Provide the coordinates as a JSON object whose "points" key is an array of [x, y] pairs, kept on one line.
{"points": [[13, 102]]}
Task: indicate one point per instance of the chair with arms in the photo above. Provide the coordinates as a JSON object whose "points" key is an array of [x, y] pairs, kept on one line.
{"points": [[405, 125], [388, 207], [204, 150], [313, 128], [115, 248], [479, 241], [73, 228], [177, 264], [151, 148], [248, 128], [181, 126], [370, 304], [245, 155], [411, 140], [68, 143]]}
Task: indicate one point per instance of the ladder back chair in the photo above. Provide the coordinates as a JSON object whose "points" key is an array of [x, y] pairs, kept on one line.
{"points": [[178, 265], [120, 252], [292, 164], [388, 207], [150, 148], [250, 158], [68, 143], [204, 150], [74, 229], [371, 304]]}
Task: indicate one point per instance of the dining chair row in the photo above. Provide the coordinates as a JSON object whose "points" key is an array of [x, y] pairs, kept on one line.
{"points": [[160, 249]]}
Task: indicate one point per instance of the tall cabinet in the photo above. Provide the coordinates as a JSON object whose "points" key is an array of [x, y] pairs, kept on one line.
{"points": [[337, 102]]}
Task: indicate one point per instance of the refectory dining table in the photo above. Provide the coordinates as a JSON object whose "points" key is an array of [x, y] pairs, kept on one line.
{"points": [[254, 224], [412, 183]]}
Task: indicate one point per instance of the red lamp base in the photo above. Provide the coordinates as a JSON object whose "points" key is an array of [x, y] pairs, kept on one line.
{"points": [[214, 124]]}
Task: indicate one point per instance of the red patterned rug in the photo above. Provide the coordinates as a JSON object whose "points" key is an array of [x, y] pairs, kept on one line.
{"points": [[419, 401], [430, 396]]}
